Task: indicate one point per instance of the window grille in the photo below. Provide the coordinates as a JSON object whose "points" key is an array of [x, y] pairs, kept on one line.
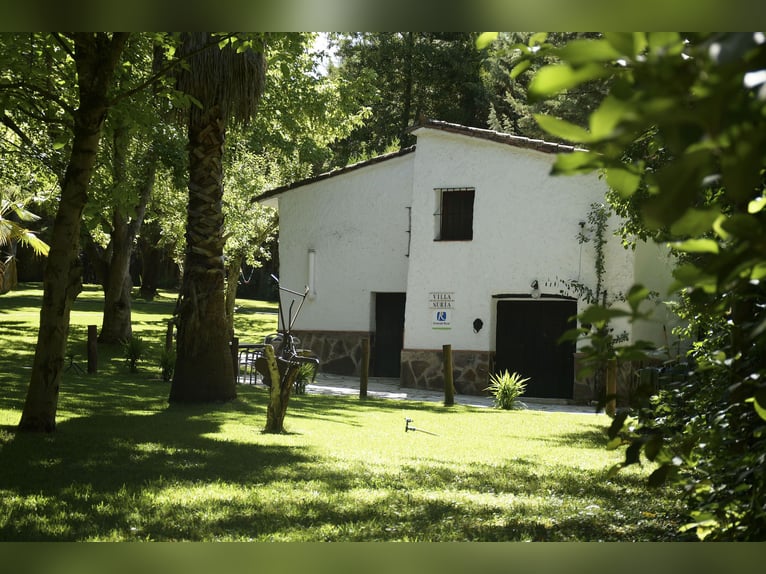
{"points": [[455, 213]]}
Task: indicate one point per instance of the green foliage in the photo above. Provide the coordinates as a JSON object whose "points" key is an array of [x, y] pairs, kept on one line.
{"points": [[14, 213], [304, 376], [167, 364], [506, 388], [403, 75], [134, 349], [507, 75], [681, 139]]}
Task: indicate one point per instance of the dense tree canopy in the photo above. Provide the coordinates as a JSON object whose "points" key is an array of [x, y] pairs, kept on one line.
{"points": [[405, 75]]}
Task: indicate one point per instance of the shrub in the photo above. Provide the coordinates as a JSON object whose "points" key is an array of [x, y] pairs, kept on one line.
{"points": [[305, 375], [168, 364], [506, 388], [133, 349]]}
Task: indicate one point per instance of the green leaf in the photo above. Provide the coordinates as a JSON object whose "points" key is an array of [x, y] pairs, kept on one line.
{"points": [[612, 472], [633, 453], [605, 119], [718, 227], [627, 43], [520, 68], [538, 38], [742, 226], [576, 162], [585, 51], [653, 446], [614, 443], [623, 181], [572, 335], [617, 423], [756, 205], [662, 42], [636, 295], [688, 273], [557, 78], [696, 246], [760, 403], [485, 39], [659, 476], [598, 314], [695, 222], [562, 129]]}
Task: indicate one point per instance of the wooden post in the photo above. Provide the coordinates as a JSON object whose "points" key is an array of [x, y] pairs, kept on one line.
{"points": [[611, 387], [92, 349], [449, 386], [273, 424], [365, 368], [235, 357]]}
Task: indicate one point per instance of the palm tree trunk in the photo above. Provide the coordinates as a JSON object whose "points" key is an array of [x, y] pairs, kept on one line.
{"points": [[96, 56], [204, 370]]}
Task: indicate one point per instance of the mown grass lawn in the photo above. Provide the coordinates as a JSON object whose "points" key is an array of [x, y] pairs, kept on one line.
{"points": [[124, 465]]}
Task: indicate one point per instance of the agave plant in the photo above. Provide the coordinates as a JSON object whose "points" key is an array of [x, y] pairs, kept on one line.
{"points": [[133, 349], [506, 388]]}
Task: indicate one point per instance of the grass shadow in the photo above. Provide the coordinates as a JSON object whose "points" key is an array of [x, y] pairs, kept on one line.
{"points": [[99, 459]]}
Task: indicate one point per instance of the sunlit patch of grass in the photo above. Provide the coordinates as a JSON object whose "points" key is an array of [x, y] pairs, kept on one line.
{"points": [[125, 465]]}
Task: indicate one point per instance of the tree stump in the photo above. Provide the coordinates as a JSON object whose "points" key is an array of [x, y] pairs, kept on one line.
{"points": [[282, 375]]}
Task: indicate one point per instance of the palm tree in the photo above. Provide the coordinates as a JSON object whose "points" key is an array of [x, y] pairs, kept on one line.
{"points": [[227, 83], [13, 213]]}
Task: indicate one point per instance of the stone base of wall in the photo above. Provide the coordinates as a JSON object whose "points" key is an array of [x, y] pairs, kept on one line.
{"points": [[423, 369], [587, 389], [339, 352]]}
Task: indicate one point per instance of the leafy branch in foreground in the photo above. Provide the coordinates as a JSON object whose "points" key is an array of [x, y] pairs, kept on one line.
{"points": [[680, 138]]}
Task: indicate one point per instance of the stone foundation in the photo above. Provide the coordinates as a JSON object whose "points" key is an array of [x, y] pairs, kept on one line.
{"points": [[423, 369], [339, 352], [585, 386]]}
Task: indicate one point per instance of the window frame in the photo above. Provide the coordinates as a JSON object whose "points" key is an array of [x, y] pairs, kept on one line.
{"points": [[454, 218]]}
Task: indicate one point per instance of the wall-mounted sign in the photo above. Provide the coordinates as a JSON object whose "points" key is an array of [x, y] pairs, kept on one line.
{"points": [[441, 299], [441, 320], [441, 304]]}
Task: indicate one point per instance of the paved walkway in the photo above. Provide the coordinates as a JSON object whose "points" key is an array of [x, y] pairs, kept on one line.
{"points": [[390, 389]]}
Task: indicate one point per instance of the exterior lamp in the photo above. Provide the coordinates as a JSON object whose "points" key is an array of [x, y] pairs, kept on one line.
{"points": [[535, 289]]}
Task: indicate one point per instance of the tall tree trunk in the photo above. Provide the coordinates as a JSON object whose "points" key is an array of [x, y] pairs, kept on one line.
{"points": [[151, 258], [204, 370], [233, 265], [96, 56], [116, 324]]}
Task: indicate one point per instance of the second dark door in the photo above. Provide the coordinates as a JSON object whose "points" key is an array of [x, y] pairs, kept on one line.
{"points": [[389, 334]]}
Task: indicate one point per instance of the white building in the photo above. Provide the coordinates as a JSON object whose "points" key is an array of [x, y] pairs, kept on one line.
{"points": [[464, 239]]}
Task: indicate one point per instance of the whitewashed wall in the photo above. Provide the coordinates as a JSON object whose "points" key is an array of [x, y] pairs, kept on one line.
{"points": [[357, 225], [653, 265], [525, 228]]}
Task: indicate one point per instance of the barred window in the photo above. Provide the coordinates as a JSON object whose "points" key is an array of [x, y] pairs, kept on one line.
{"points": [[455, 214]]}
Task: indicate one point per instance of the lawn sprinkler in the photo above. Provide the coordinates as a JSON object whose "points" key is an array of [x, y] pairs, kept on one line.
{"points": [[407, 427]]}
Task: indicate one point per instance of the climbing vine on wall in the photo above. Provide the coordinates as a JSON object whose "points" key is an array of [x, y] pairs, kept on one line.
{"points": [[593, 228]]}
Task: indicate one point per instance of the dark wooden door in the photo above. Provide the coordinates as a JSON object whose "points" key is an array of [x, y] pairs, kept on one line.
{"points": [[389, 334], [527, 342]]}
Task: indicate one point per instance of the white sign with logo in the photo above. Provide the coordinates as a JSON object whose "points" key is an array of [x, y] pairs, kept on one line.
{"points": [[441, 304]]}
